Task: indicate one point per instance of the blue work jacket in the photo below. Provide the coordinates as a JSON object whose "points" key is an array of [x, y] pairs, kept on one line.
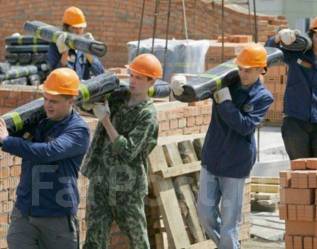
{"points": [[50, 165], [300, 98], [78, 62], [229, 149]]}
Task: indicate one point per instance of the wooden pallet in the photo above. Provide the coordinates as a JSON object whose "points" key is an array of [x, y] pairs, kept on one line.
{"points": [[174, 178]]}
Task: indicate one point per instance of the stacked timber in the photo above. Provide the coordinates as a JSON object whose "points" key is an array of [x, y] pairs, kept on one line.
{"points": [[298, 204], [264, 194], [174, 181]]}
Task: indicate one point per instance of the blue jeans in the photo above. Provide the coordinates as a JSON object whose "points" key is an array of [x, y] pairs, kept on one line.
{"points": [[221, 223]]}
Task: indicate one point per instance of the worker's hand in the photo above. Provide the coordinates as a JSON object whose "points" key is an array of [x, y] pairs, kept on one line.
{"points": [[177, 84], [60, 43], [222, 95], [89, 36], [101, 110], [3, 130], [286, 36]]}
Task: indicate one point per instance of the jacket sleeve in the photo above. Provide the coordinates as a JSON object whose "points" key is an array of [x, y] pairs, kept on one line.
{"points": [[96, 66], [140, 140], [271, 43], [244, 123], [71, 143], [53, 57]]}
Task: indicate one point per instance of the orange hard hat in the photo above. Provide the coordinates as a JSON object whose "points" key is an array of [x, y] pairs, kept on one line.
{"points": [[74, 17], [253, 55], [313, 24], [64, 81], [147, 65]]}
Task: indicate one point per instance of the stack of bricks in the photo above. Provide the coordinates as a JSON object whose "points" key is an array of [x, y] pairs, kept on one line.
{"points": [[298, 204], [275, 82], [185, 119]]}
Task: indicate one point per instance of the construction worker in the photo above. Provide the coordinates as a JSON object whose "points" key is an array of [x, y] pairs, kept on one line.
{"points": [[299, 128], [116, 161], [44, 215], [60, 55], [229, 150]]}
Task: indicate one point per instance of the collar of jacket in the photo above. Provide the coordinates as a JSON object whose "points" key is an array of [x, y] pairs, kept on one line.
{"points": [[64, 120], [252, 90]]}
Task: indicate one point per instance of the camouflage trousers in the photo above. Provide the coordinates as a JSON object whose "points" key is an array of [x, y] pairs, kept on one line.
{"points": [[127, 210]]}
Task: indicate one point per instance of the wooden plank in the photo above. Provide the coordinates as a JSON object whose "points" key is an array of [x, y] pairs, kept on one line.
{"points": [[265, 180], [207, 244], [168, 202], [178, 170], [186, 196], [265, 188]]}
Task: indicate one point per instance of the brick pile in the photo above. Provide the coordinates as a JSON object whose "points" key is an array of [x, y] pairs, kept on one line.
{"points": [[298, 204], [275, 81]]}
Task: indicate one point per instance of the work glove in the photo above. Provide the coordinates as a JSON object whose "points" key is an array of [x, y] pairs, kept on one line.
{"points": [[222, 95], [177, 83], [89, 36], [287, 36], [60, 43], [101, 110]]}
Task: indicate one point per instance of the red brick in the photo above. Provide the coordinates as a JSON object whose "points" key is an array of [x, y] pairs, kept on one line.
{"points": [[315, 243], [285, 178], [304, 228], [311, 163], [298, 242], [312, 179], [308, 243], [283, 211], [299, 196], [292, 212], [289, 242], [309, 213], [298, 164]]}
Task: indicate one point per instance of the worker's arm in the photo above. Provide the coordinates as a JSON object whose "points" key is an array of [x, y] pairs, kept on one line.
{"points": [[137, 141], [72, 142], [54, 57], [244, 123]]}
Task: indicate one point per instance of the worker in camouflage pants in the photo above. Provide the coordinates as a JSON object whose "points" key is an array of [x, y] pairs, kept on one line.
{"points": [[116, 161]]}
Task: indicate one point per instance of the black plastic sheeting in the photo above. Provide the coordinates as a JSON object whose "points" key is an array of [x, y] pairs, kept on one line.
{"points": [[21, 119], [202, 86], [37, 48], [23, 40], [50, 33], [301, 44], [19, 71]]}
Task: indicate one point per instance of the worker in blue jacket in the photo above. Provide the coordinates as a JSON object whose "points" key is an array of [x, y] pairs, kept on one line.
{"points": [[44, 215], [60, 55], [229, 150], [299, 129]]}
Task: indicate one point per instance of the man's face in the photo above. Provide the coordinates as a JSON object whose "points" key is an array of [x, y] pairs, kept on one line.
{"points": [[139, 84], [57, 107], [249, 75], [77, 31]]}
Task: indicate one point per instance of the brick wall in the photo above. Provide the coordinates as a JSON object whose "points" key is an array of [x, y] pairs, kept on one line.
{"points": [[117, 22]]}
